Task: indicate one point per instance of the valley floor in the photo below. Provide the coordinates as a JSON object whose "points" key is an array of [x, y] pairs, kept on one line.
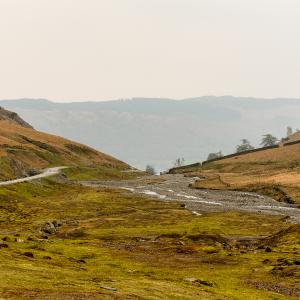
{"points": [[62, 240], [177, 187]]}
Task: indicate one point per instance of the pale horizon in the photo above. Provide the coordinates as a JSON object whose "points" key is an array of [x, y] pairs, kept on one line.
{"points": [[96, 50]]}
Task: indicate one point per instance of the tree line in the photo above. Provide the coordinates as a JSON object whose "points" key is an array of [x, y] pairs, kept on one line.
{"points": [[268, 140]]}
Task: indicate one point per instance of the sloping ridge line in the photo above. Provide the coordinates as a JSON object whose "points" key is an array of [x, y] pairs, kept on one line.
{"points": [[234, 155]]}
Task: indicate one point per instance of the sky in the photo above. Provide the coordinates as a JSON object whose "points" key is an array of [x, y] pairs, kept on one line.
{"points": [[75, 50]]}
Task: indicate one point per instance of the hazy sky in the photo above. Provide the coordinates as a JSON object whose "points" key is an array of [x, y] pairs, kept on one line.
{"points": [[107, 49]]}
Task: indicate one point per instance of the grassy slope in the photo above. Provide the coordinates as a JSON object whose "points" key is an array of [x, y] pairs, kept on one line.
{"points": [[23, 148], [274, 172], [141, 247]]}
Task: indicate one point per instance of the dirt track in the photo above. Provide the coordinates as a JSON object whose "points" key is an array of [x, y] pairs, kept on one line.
{"points": [[176, 187], [45, 173]]}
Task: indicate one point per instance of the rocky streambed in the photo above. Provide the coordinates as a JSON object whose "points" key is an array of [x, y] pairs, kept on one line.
{"points": [[176, 187]]}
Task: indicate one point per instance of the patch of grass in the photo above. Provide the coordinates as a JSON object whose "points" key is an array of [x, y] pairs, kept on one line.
{"points": [[145, 249], [100, 173]]}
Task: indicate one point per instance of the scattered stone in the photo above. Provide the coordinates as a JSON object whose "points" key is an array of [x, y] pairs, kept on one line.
{"points": [[288, 262], [28, 254], [3, 246], [266, 261], [57, 223], [268, 249], [34, 172], [48, 228], [199, 281], [47, 257], [108, 288]]}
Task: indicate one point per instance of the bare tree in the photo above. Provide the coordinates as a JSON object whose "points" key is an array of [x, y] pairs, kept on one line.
{"points": [[245, 146], [268, 140], [179, 162], [289, 131], [214, 155], [150, 170]]}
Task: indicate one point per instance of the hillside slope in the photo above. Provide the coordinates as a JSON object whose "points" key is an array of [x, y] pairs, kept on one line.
{"points": [[274, 172], [22, 148]]}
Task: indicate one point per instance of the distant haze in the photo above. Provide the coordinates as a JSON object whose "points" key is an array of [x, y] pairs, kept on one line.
{"points": [[80, 50], [157, 131]]}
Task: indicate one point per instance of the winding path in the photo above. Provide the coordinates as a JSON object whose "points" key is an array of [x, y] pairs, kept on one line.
{"points": [[45, 173]]}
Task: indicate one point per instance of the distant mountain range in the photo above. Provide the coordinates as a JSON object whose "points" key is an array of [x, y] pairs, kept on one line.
{"points": [[144, 131]]}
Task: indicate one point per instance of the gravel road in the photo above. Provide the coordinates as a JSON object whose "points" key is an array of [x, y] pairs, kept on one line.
{"points": [[45, 173], [176, 187]]}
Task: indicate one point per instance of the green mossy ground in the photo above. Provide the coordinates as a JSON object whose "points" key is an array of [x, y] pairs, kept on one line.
{"points": [[104, 173], [145, 249]]}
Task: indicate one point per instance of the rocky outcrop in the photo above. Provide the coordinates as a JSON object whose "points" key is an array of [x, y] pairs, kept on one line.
{"points": [[13, 117]]}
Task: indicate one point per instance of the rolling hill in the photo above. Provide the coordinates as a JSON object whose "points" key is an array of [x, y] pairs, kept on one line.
{"points": [[22, 149], [143, 131], [274, 172]]}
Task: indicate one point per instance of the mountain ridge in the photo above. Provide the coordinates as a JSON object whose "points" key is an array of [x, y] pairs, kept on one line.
{"points": [[157, 131]]}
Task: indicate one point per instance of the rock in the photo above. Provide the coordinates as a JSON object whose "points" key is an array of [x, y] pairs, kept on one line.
{"points": [[34, 172], [108, 288], [268, 249], [28, 254], [190, 279], [3, 246], [47, 257], [18, 240], [266, 261], [48, 228], [57, 223], [6, 239], [199, 281]]}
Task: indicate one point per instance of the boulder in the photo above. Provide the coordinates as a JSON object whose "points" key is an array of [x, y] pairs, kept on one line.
{"points": [[48, 228], [28, 254], [268, 249]]}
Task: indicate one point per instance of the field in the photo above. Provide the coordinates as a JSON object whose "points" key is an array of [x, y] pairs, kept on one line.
{"points": [[65, 241]]}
